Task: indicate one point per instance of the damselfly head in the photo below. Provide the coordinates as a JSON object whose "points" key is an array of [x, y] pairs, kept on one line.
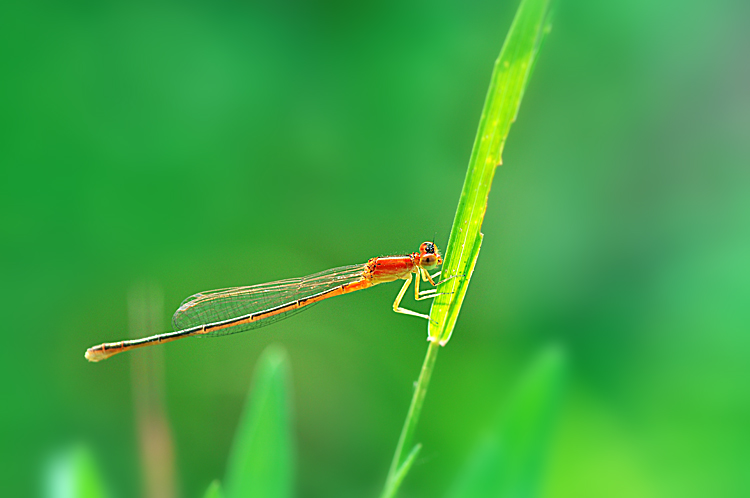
{"points": [[429, 256]]}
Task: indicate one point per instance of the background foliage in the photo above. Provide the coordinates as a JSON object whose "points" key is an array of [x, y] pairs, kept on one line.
{"points": [[190, 146]]}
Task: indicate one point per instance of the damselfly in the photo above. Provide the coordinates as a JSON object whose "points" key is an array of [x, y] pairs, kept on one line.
{"points": [[237, 309]]}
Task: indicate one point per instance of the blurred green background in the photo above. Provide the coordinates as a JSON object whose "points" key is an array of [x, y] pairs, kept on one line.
{"points": [[196, 145]]}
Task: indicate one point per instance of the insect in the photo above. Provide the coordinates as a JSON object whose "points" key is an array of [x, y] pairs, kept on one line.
{"points": [[237, 309]]}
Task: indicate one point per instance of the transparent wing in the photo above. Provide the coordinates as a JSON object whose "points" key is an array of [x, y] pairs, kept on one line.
{"points": [[224, 304]]}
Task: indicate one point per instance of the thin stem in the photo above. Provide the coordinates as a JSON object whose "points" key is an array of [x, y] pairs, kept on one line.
{"points": [[410, 424], [394, 484]]}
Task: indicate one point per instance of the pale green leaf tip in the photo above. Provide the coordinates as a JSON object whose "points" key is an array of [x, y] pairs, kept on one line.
{"points": [[214, 490], [273, 357], [75, 472]]}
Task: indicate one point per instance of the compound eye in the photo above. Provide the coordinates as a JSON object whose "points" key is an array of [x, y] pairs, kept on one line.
{"points": [[427, 248], [428, 260]]}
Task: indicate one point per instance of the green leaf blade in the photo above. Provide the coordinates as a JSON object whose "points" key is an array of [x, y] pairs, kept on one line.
{"points": [[508, 83], [214, 490], [262, 459], [509, 462]]}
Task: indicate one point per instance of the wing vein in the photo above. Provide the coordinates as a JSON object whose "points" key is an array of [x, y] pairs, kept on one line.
{"points": [[225, 304]]}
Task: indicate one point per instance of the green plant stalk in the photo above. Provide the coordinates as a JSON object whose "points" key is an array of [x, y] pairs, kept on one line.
{"points": [[507, 85], [412, 417]]}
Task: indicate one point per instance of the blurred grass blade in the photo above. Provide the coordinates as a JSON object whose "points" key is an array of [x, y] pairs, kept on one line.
{"points": [[157, 454], [508, 83], [75, 474], [510, 462], [262, 463], [214, 490]]}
